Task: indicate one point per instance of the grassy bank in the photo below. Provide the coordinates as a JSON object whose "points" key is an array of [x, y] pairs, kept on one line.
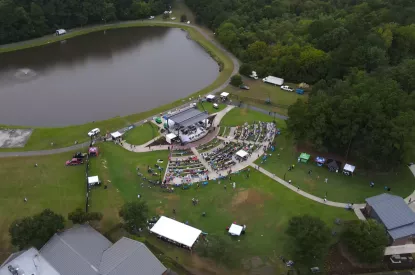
{"points": [[42, 138], [141, 134]]}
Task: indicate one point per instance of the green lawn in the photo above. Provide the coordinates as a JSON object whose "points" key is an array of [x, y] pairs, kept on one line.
{"points": [[142, 134], [208, 106], [50, 185], [66, 136], [259, 92], [238, 116], [260, 203], [339, 188]]}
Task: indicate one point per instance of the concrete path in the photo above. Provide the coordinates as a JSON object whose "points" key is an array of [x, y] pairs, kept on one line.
{"points": [[359, 214], [302, 193]]}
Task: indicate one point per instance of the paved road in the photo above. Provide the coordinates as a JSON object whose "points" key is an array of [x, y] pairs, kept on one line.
{"points": [[83, 145]]}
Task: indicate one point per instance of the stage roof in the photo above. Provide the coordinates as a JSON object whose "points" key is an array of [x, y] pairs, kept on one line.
{"points": [[188, 117]]}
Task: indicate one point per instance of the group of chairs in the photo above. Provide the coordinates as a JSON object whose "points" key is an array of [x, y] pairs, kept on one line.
{"points": [[222, 158], [186, 169]]}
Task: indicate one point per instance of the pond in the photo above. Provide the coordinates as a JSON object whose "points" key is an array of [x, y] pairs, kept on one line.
{"points": [[101, 75]]}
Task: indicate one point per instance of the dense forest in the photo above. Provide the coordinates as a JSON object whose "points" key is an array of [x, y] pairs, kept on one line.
{"points": [[24, 19], [358, 54]]}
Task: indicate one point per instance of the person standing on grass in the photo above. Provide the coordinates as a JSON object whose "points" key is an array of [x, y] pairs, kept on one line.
{"points": [[326, 180]]}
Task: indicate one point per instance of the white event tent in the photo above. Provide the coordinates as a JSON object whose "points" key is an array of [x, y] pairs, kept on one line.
{"points": [[116, 134], [94, 180], [176, 231], [348, 168], [241, 153], [235, 230]]}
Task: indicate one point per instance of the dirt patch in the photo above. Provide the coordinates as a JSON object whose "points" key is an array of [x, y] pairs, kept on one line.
{"points": [[203, 266], [159, 211], [250, 197]]}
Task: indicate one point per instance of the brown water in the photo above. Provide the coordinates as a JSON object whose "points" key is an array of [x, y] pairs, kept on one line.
{"points": [[101, 75]]}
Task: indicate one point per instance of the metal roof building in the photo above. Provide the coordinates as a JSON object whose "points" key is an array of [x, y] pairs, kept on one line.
{"points": [[394, 214], [82, 250], [188, 117]]}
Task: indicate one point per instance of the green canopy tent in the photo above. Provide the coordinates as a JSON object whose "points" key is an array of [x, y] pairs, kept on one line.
{"points": [[304, 157]]}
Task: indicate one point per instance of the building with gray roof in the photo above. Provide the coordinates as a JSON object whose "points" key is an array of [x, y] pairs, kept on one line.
{"points": [[82, 250], [395, 215]]}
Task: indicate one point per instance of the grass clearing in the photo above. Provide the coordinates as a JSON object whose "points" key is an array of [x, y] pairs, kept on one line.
{"points": [[142, 134], [50, 185], [66, 136], [208, 106], [238, 116], [339, 188], [260, 203]]}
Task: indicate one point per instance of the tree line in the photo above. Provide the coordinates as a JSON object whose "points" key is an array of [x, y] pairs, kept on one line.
{"points": [[25, 19], [359, 56]]}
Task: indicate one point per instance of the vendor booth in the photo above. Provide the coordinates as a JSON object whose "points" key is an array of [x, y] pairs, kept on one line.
{"points": [[241, 153], [320, 161], [176, 232], [210, 98], [235, 230], [94, 180], [333, 166], [170, 137], [348, 169], [224, 95], [304, 157], [93, 151], [116, 135]]}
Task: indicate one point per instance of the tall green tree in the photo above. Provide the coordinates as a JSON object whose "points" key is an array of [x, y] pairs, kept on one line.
{"points": [[310, 238], [135, 215], [366, 240], [36, 230]]}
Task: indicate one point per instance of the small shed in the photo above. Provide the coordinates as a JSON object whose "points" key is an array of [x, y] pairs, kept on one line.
{"points": [[60, 32], [210, 98], [170, 137], [235, 230], [241, 153], [304, 157], [348, 169], [94, 180]]}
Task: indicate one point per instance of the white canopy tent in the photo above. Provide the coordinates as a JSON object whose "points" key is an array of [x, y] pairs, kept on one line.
{"points": [[241, 153], [235, 230], [224, 94], [348, 168], [116, 134], [170, 137], [94, 180], [176, 231], [210, 97]]}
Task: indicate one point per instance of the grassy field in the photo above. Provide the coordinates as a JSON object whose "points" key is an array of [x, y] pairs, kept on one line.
{"points": [[259, 92], [208, 106], [142, 134], [238, 116], [339, 187], [178, 9], [66, 136], [50, 185], [261, 204]]}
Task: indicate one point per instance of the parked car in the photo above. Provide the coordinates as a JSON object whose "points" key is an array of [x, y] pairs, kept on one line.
{"points": [[216, 106], [94, 132], [151, 17], [244, 87], [79, 155], [287, 88], [73, 162]]}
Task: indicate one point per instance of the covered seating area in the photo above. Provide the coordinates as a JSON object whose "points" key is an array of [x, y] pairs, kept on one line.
{"points": [[304, 157], [176, 232], [348, 169]]}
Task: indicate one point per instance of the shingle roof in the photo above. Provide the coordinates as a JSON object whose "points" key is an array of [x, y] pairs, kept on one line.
{"points": [[392, 211], [76, 251], [129, 257]]}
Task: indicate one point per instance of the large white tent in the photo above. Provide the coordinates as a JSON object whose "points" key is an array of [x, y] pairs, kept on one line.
{"points": [[94, 180], [241, 153], [235, 230], [176, 231], [170, 137]]}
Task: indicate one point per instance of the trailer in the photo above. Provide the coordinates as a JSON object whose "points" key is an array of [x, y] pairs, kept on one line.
{"points": [[273, 80]]}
